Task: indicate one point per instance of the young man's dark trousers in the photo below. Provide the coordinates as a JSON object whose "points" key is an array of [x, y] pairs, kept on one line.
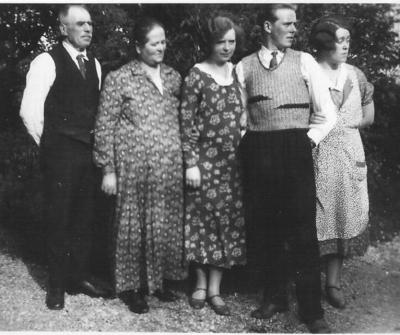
{"points": [[68, 176], [280, 216]]}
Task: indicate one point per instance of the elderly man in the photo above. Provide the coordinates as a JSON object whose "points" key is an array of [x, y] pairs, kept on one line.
{"points": [[58, 109], [280, 84]]}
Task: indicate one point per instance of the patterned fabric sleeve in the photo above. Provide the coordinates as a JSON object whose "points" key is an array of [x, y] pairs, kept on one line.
{"points": [[191, 96], [177, 83], [366, 88], [109, 109]]}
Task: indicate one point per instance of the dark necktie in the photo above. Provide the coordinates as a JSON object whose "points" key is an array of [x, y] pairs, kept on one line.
{"points": [[82, 66], [274, 61]]}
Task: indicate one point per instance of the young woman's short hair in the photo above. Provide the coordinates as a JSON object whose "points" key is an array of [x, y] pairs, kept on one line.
{"points": [[323, 32], [216, 28]]}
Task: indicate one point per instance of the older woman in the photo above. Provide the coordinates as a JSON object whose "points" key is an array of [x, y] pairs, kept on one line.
{"points": [[211, 108], [340, 168], [137, 144]]}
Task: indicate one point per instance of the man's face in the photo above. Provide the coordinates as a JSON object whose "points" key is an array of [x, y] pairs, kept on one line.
{"points": [[77, 27], [282, 31]]}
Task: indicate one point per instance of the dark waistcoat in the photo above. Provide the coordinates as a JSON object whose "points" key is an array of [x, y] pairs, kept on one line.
{"points": [[71, 104]]}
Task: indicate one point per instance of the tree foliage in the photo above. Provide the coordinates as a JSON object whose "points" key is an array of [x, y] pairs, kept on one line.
{"points": [[28, 29]]}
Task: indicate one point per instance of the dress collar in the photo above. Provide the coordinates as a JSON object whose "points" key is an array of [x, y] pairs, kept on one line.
{"points": [[341, 79], [137, 69]]}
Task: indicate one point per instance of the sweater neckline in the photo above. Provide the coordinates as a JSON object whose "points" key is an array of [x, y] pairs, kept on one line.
{"points": [[276, 67]]}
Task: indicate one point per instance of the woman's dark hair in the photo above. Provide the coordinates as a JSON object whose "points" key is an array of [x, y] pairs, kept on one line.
{"points": [[216, 28], [142, 27], [323, 32]]}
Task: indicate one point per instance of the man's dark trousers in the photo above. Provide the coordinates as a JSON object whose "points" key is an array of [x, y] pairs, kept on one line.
{"points": [[280, 215], [68, 173]]}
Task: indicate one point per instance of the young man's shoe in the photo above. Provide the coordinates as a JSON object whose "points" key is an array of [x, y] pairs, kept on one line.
{"points": [[55, 298], [318, 326]]}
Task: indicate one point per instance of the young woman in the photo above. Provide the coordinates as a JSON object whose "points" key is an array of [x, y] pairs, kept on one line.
{"points": [[137, 143], [211, 108], [340, 168]]}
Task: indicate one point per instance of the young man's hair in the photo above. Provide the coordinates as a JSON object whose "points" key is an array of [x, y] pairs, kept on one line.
{"points": [[268, 12]]}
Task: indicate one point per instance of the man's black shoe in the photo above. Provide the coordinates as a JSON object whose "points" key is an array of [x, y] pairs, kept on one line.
{"points": [[267, 310], [92, 288], [55, 298], [318, 326]]}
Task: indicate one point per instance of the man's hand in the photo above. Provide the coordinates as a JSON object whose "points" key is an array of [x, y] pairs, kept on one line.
{"points": [[317, 118], [193, 177], [109, 184]]}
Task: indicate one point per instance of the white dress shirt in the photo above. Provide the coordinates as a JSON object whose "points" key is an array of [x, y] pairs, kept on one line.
{"points": [[40, 78], [318, 88]]}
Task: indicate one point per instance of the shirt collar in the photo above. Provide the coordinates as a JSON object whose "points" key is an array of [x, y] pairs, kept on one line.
{"points": [[267, 53], [73, 52], [265, 56]]}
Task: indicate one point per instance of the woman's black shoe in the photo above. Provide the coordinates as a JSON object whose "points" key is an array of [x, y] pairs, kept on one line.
{"points": [[165, 295], [135, 301]]}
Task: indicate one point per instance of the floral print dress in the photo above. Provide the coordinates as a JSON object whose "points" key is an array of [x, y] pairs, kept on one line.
{"points": [[137, 136], [214, 225], [341, 171]]}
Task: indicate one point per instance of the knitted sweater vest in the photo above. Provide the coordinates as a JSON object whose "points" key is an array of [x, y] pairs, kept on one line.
{"points": [[278, 98]]}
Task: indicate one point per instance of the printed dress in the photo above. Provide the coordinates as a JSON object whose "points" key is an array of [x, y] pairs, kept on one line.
{"points": [[214, 225], [341, 171], [138, 137]]}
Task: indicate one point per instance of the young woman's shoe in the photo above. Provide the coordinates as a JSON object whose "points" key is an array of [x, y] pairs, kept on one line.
{"points": [[335, 296], [195, 302], [218, 308]]}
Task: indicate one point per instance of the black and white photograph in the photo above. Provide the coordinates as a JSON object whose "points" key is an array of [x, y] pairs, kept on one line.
{"points": [[200, 167]]}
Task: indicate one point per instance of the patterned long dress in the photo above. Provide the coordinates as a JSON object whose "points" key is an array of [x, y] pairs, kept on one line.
{"points": [[214, 225], [341, 171], [137, 136]]}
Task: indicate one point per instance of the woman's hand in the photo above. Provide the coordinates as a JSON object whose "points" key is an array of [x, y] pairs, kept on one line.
{"points": [[109, 184], [193, 177], [194, 136]]}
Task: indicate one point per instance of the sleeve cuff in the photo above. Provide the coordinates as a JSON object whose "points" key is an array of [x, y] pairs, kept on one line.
{"points": [[108, 169], [315, 135]]}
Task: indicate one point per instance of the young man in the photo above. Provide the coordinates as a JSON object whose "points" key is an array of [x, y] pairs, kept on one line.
{"points": [[280, 85], [58, 109]]}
